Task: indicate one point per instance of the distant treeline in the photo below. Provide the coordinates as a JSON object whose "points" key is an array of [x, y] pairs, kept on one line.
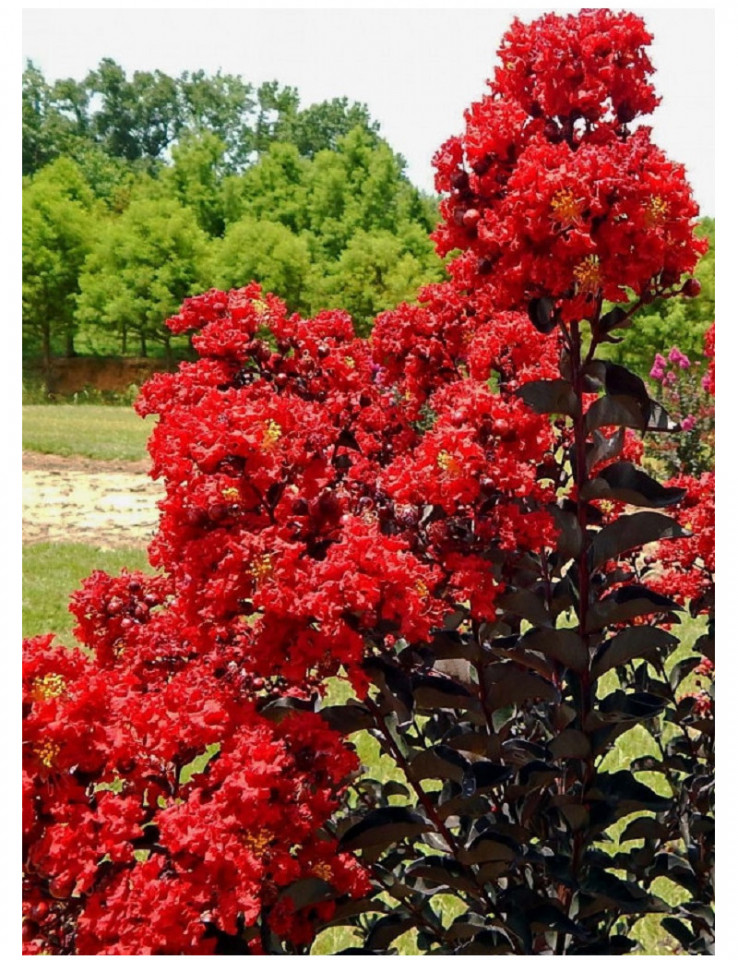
{"points": [[139, 191]]}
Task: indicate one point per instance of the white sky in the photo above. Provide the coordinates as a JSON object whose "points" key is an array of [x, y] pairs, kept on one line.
{"points": [[416, 69]]}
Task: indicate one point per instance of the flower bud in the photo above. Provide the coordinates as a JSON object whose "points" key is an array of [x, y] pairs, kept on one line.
{"points": [[471, 218], [692, 287]]}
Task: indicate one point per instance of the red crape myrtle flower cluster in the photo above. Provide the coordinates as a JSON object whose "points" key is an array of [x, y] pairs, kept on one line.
{"points": [[549, 192], [328, 499], [325, 496]]}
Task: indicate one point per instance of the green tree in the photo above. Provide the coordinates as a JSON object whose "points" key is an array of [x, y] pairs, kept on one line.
{"points": [[267, 252], [197, 174], [272, 189], [375, 272], [223, 105], [146, 262], [59, 225], [321, 125], [53, 118], [360, 185], [136, 119]]}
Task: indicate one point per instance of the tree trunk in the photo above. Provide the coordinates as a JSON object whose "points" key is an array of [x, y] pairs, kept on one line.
{"points": [[46, 348], [69, 350]]}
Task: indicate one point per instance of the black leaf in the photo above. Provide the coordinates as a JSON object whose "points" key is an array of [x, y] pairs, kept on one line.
{"points": [[387, 929], [348, 717], [550, 396], [625, 603], [283, 706], [383, 827], [629, 644], [624, 483], [619, 706], [614, 319], [604, 448], [306, 892], [630, 531], [564, 646], [542, 314]]}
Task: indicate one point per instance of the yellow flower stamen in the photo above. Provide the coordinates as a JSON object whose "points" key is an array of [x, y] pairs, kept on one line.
{"points": [[565, 207], [324, 871], [47, 753], [272, 433], [448, 463], [48, 687], [350, 362], [262, 567], [422, 589], [657, 211], [587, 274], [259, 306], [231, 493], [258, 841]]}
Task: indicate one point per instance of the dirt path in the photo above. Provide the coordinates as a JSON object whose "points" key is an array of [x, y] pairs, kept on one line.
{"points": [[101, 502]]}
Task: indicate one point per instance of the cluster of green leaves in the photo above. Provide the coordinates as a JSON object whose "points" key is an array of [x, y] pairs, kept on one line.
{"points": [[140, 192]]}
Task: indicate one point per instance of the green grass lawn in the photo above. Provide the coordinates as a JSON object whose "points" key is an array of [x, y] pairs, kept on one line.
{"points": [[97, 432], [51, 571]]}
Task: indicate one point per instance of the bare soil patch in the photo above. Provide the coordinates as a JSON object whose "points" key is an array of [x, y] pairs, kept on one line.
{"points": [[88, 501]]}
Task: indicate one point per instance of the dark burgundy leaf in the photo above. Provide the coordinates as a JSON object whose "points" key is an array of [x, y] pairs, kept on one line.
{"points": [[630, 706], [488, 846], [604, 448], [624, 483], [348, 718], [628, 794], [384, 827], [616, 411], [439, 763], [614, 319], [619, 381], [625, 603], [277, 709], [542, 314], [433, 692], [630, 531], [443, 871], [507, 683], [550, 396], [570, 743], [526, 604], [681, 932], [387, 929], [681, 670], [644, 828], [626, 895], [564, 646], [630, 644], [308, 891], [571, 538]]}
